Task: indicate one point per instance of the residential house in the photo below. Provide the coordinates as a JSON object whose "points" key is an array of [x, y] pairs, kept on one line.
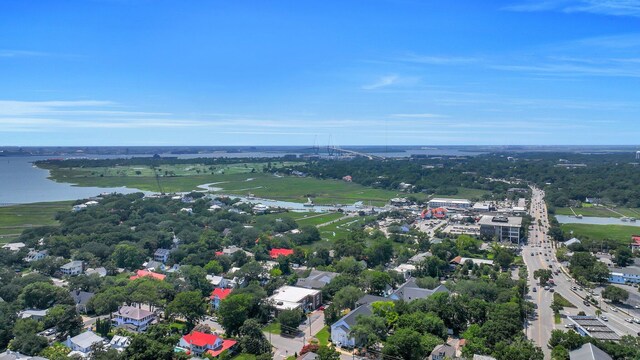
{"points": [[459, 260], [316, 279], [119, 343], [635, 243], [199, 343], [442, 352], [418, 258], [405, 269], [101, 271], [292, 297], [143, 273], [133, 318], [14, 246], [83, 344], [37, 315], [161, 255], [341, 329], [230, 250], [35, 255], [589, 351], [152, 265], [411, 291], [571, 242], [81, 299], [72, 268], [217, 295], [276, 253], [12, 355], [217, 281]]}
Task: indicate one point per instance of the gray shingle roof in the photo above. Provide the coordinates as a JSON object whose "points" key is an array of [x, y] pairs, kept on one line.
{"points": [[86, 339], [81, 297], [351, 317], [589, 351]]}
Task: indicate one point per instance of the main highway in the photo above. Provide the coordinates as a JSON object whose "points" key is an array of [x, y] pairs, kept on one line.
{"points": [[539, 253]]}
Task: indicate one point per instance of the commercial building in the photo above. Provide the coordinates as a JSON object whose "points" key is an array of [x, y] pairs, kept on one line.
{"points": [[503, 228], [449, 203], [592, 326], [627, 275], [293, 297]]}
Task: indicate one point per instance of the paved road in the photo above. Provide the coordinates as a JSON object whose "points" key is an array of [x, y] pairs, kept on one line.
{"points": [[285, 346], [544, 256]]}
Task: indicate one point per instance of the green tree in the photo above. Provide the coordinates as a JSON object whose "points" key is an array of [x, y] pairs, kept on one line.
{"points": [[328, 353], [213, 267], [128, 256], [406, 344], [623, 256], [615, 293], [369, 330], [26, 339], [233, 312], [56, 351], [252, 339], [190, 305], [66, 320], [290, 320], [43, 295], [347, 297], [107, 301], [543, 275], [504, 257]]}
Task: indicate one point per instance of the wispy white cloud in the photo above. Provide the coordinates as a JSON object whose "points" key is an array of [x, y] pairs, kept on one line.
{"points": [[382, 82], [602, 7], [8, 53]]}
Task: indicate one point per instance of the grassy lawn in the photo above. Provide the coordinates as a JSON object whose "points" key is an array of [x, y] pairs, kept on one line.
{"points": [[323, 336], [234, 180], [341, 229], [273, 328], [316, 219], [245, 357], [619, 233], [557, 318], [14, 219], [599, 211], [562, 301]]}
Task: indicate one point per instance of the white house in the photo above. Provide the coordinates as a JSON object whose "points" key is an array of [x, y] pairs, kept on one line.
{"points": [[35, 255], [571, 242], [13, 246], [84, 342], [341, 329], [161, 255], [72, 268], [199, 343], [133, 318], [119, 342]]}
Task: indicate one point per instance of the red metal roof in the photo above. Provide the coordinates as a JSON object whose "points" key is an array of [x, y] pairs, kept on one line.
{"points": [[226, 344], [636, 239], [200, 339], [142, 273], [220, 293], [275, 253]]}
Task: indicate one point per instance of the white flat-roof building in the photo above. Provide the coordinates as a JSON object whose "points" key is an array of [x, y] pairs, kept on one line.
{"points": [[449, 203], [504, 228], [293, 297]]}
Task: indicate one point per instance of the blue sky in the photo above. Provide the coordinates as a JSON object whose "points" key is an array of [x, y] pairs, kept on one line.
{"points": [[387, 72]]}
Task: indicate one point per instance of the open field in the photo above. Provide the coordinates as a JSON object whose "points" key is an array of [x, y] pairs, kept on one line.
{"points": [[464, 193], [236, 180], [600, 211], [14, 219], [620, 233]]}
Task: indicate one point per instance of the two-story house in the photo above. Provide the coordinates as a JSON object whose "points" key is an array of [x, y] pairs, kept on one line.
{"points": [[133, 318], [217, 296], [199, 343], [83, 343], [161, 255], [72, 268]]}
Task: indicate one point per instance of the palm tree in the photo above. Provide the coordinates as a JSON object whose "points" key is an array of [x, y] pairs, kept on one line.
{"points": [[598, 312]]}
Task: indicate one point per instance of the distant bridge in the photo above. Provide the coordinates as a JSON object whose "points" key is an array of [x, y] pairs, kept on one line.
{"points": [[334, 149]]}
